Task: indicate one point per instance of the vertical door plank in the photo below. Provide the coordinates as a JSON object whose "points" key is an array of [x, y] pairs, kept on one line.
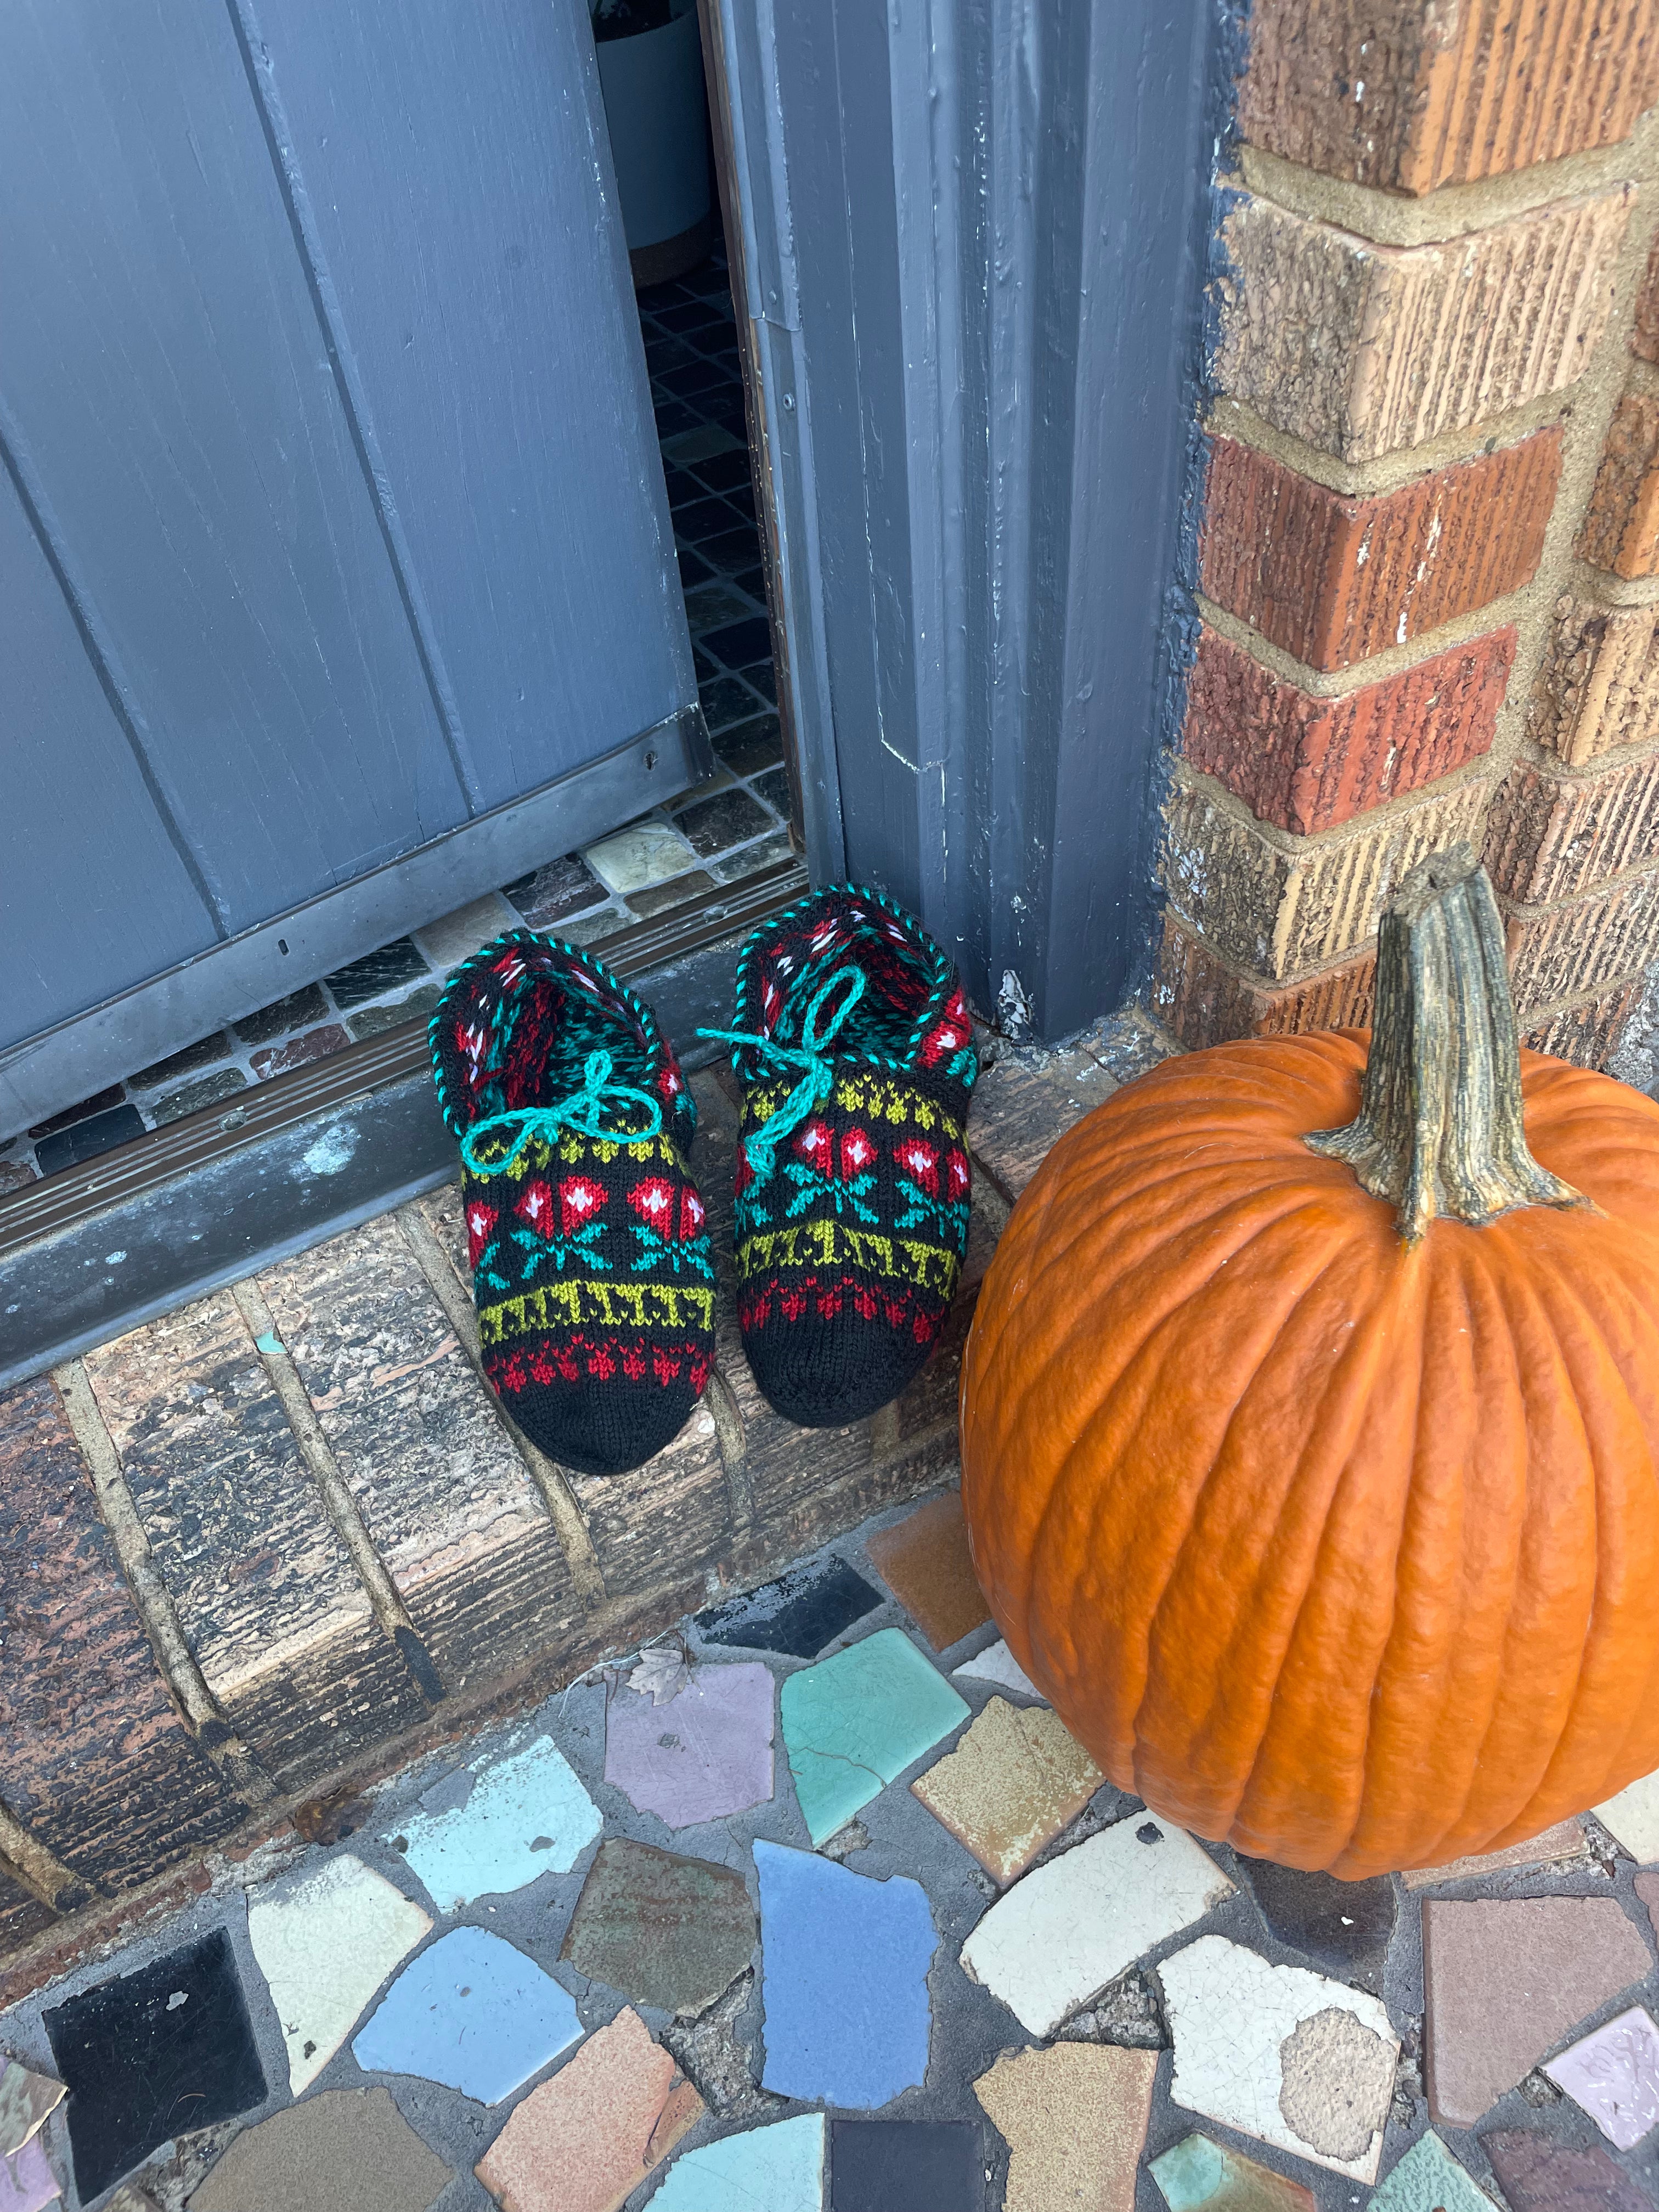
{"points": [[456, 164], [82, 923], [164, 368]]}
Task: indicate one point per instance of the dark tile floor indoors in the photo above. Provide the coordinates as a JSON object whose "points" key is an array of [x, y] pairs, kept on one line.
{"points": [[714, 837]]}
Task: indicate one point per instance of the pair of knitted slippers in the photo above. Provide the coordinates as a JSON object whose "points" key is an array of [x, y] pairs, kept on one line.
{"points": [[592, 1262]]}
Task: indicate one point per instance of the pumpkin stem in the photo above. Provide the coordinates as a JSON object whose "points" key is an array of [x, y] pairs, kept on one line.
{"points": [[1439, 1131]]}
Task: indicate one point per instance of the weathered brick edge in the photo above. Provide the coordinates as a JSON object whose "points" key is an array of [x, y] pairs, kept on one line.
{"points": [[1429, 482], [122, 1787]]}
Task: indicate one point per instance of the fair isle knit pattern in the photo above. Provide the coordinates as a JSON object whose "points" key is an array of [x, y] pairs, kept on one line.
{"points": [[853, 1180], [591, 1272]]}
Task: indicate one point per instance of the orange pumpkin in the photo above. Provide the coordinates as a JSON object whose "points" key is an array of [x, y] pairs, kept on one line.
{"points": [[1314, 1478]]}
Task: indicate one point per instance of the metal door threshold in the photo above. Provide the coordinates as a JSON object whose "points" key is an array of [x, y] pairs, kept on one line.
{"points": [[88, 1254]]}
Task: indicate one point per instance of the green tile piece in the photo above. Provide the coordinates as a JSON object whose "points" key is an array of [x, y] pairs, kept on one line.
{"points": [[1201, 2175], [1429, 2179], [855, 1722]]}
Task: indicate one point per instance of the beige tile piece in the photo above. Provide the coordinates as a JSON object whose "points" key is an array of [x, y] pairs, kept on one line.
{"points": [[448, 941], [348, 2147], [26, 2098], [1562, 1845], [1074, 2118], [925, 1561], [1633, 1819], [1017, 1777], [586, 2140]]}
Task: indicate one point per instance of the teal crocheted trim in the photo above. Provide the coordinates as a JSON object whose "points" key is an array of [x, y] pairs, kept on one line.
{"points": [[884, 1041], [589, 1025]]}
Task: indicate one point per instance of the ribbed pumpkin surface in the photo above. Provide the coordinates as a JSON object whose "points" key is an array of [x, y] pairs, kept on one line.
{"points": [[1344, 1552]]}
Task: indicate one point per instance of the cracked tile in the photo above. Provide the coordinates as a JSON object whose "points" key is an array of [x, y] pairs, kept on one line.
{"points": [[1016, 1780], [1074, 1924], [797, 1615], [1199, 2174], [586, 2140], [1633, 1819], [1614, 2075], [347, 2147], [1280, 2053], [471, 2011], [716, 2055], [26, 2098], [843, 1980], [773, 2169], [1537, 2174], [1074, 2119], [925, 1561], [705, 1754], [146, 2054], [1344, 1927], [855, 1721], [481, 1833], [324, 1946], [1428, 2179], [1506, 1978], [876, 2165], [663, 1930], [998, 1664]]}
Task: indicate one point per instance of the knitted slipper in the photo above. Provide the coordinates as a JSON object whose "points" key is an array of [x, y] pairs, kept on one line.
{"points": [[590, 1263], [852, 1174]]}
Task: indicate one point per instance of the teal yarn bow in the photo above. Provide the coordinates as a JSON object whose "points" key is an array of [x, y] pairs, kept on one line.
{"points": [[580, 1112], [817, 1076]]}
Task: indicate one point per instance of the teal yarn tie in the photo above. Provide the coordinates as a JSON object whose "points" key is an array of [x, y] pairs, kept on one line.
{"points": [[580, 1112], [818, 1076]]}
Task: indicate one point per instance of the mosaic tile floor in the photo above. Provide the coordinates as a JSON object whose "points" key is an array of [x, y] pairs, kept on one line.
{"points": [[725, 830], [595, 1961]]}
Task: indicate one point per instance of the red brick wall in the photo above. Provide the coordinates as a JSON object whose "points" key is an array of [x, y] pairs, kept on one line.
{"points": [[1428, 569]]}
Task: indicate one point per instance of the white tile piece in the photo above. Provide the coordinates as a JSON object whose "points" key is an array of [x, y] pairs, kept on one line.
{"points": [[1071, 1926], [447, 942], [998, 1664], [1633, 1819], [480, 1834], [324, 1946], [1614, 2075], [1232, 2016], [633, 859]]}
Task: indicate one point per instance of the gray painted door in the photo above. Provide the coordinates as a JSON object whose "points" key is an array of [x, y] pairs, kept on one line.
{"points": [[331, 521]]}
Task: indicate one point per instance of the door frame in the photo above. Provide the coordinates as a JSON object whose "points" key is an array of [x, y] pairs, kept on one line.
{"points": [[969, 242]]}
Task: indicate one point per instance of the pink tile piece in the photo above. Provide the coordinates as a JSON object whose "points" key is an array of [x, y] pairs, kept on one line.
{"points": [[1506, 1978], [705, 1754], [1647, 1888], [1614, 2075], [27, 2182], [587, 2138]]}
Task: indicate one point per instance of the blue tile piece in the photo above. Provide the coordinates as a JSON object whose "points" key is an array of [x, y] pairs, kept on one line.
{"points": [[798, 1614], [858, 1719], [477, 1835], [471, 2011], [773, 2169], [843, 1980]]}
